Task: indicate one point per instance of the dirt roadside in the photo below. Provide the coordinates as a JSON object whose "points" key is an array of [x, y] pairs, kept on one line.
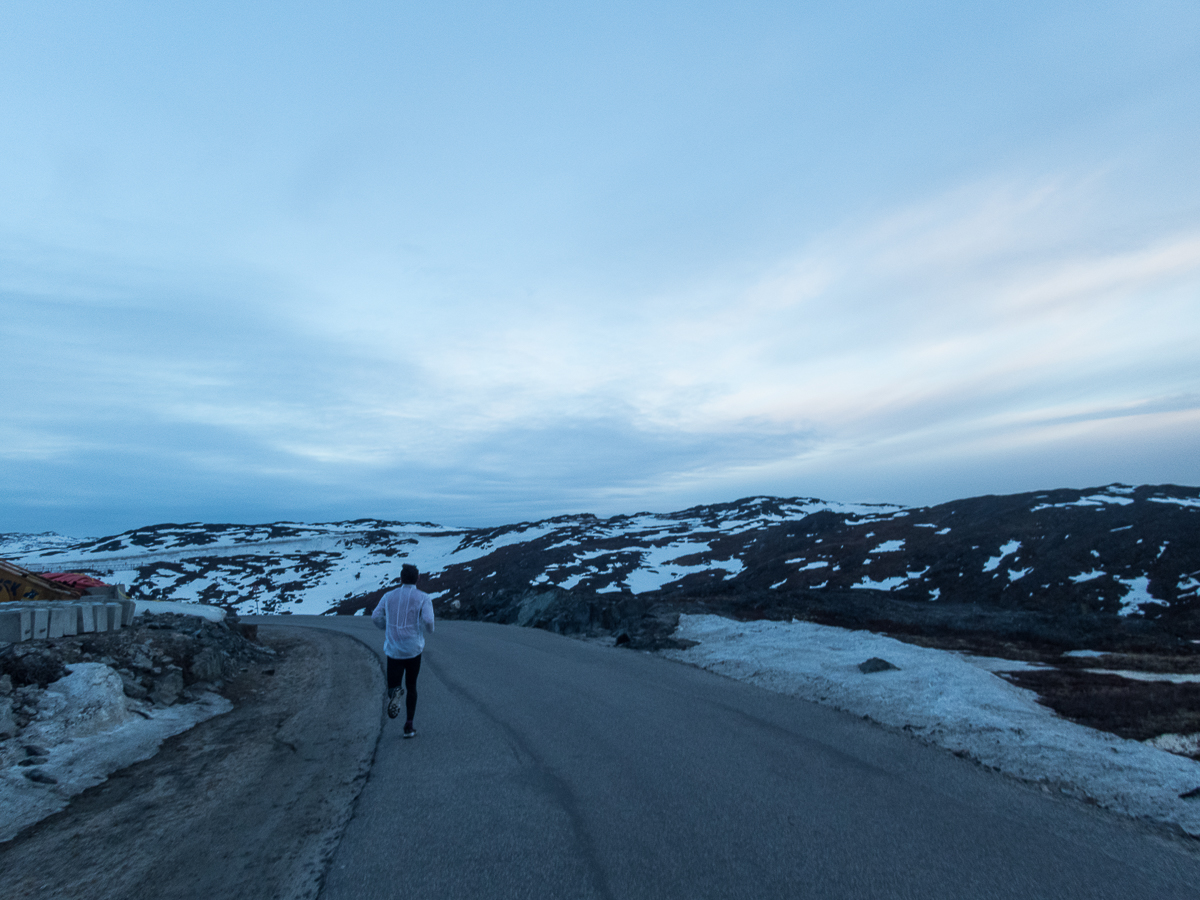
{"points": [[248, 804]]}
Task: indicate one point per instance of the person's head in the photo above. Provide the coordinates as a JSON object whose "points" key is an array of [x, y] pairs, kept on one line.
{"points": [[409, 574]]}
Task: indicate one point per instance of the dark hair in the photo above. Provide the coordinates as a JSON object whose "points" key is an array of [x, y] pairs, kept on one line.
{"points": [[409, 574]]}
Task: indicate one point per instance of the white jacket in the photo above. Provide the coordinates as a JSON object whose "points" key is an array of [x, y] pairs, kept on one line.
{"points": [[401, 613]]}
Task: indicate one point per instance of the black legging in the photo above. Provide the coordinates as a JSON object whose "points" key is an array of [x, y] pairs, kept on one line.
{"points": [[408, 669]]}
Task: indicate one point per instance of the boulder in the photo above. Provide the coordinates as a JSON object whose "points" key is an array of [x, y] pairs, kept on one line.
{"points": [[167, 687], [875, 664], [133, 688], [8, 725], [207, 665]]}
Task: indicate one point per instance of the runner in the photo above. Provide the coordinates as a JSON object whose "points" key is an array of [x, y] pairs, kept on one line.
{"points": [[401, 613]]}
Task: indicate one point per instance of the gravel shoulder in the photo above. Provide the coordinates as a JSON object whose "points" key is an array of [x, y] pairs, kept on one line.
{"points": [[250, 804]]}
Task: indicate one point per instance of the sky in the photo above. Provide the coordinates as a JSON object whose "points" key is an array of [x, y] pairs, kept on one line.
{"points": [[482, 263]]}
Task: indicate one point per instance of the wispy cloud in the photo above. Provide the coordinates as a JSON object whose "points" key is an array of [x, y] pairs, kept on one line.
{"points": [[983, 317]]}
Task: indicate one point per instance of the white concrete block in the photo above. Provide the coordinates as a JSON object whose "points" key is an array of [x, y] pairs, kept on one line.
{"points": [[16, 624], [58, 621], [41, 623]]}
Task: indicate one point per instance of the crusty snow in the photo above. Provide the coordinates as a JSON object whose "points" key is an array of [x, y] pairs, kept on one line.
{"points": [[90, 730], [158, 607], [1137, 595], [1095, 499], [955, 701]]}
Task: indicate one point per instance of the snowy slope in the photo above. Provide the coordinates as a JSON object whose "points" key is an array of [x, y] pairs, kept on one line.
{"points": [[1111, 551], [311, 568]]}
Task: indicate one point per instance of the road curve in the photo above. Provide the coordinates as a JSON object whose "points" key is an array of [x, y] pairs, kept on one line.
{"points": [[550, 767]]}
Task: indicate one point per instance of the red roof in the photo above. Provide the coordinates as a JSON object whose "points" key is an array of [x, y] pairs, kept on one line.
{"points": [[73, 580]]}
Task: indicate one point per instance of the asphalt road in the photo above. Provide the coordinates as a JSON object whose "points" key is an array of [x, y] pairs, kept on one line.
{"points": [[547, 767]]}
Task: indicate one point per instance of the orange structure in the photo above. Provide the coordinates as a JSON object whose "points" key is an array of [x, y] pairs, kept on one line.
{"points": [[17, 584]]}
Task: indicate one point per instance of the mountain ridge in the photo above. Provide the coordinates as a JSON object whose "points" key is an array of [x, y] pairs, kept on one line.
{"points": [[1112, 563]]}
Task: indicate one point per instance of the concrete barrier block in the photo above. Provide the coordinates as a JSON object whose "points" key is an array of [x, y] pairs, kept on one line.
{"points": [[68, 619], [16, 625], [41, 623], [114, 616], [128, 611], [59, 616], [87, 618], [99, 616]]}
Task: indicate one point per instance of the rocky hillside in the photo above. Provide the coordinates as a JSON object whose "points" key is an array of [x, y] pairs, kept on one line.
{"points": [[159, 661], [1115, 565]]}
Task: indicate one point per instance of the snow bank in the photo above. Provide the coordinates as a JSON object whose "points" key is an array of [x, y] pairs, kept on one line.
{"points": [[952, 700], [88, 729], [212, 613]]}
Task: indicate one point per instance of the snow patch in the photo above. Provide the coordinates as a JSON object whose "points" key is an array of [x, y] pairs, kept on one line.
{"points": [[200, 610], [659, 566], [90, 730], [1148, 676], [887, 584], [1008, 549], [1097, 500], [1137, 595], [1183, 744], [1178, 501], [573, 581]]}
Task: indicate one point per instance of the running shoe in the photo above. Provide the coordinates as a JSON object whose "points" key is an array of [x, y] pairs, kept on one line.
{"points": [[409, 731], [393, 707]]}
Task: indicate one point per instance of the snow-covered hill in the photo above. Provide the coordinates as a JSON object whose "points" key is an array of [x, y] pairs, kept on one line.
{"points": [[313, 568], [1103, 553]]}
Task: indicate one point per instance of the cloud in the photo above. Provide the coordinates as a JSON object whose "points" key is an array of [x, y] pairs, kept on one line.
{"points": [[986, 317], [991, 320]]}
